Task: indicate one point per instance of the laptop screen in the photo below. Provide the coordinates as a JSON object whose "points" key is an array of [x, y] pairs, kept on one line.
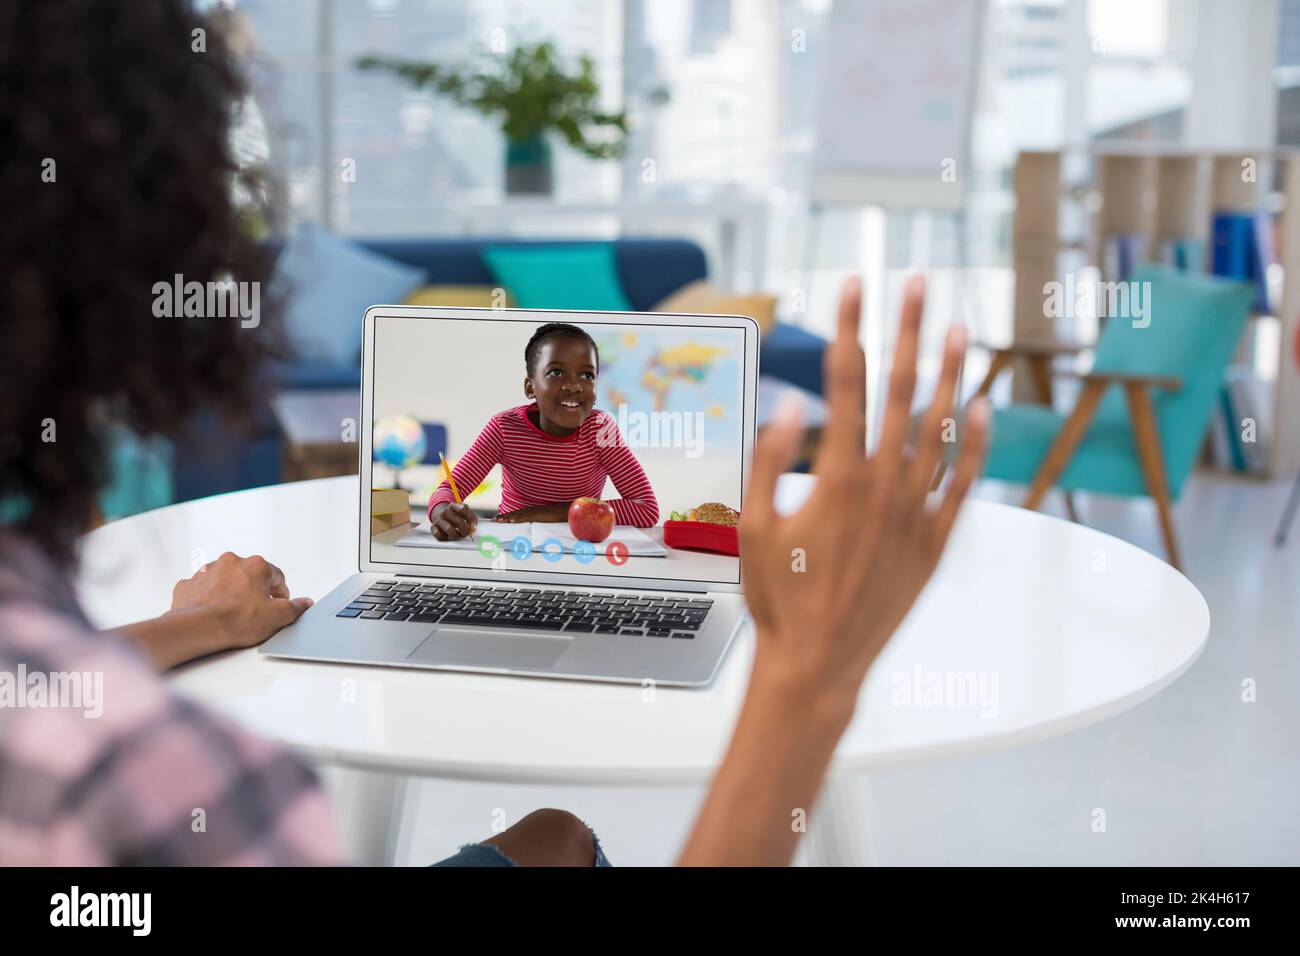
{"points": [[571, 443]]}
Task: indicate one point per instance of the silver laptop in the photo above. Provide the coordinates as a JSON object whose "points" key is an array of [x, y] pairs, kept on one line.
{"points": [[660, 418]]}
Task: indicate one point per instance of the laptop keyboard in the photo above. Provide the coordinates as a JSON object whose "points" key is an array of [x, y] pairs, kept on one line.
{"points": [[640, 615]]}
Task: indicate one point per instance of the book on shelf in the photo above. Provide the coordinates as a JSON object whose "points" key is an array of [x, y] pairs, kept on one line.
{"points": [[1236, 438], [1243, 248], [1120, 253], [1184, 253], [1265, 254]]}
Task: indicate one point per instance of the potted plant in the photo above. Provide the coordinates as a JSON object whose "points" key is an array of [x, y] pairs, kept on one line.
{"points": [[534, 94]]}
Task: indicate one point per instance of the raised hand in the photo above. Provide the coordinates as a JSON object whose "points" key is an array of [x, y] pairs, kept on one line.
{"points": [[829, 584]]}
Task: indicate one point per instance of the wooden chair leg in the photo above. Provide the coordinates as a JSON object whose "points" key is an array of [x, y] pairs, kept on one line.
{"points": [[1040, 367], [1067, 441], [1153, 463], [996, 365]]}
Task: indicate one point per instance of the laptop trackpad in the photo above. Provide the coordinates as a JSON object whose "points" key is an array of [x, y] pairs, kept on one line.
{"points": [[449, 645]]}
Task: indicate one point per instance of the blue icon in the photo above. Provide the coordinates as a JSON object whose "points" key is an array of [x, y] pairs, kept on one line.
{"points": [[521, 548], [549, 555], [585, 552]]}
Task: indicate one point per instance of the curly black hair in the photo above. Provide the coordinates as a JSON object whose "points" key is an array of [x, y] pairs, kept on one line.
{"points": [[117, 175], [554, 330]]}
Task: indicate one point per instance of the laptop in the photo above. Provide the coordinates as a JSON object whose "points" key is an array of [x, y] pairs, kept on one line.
{"points": [[674, 399]]}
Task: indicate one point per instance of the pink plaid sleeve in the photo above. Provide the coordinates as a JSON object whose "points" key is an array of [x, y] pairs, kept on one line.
{"points": [[101, 764]]}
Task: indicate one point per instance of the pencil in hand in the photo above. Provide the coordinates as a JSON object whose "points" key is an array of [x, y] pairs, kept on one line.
{"points": [[454, 490]]}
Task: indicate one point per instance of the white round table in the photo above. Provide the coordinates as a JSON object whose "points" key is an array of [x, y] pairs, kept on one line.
{"points": [[1031, 627]]}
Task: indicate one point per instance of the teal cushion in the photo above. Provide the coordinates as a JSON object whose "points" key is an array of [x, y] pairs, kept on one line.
{"points": [[560, 277], [329, 283], [1105, 461]]}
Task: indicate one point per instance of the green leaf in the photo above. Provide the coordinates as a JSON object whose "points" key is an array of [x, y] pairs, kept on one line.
{"points": [[530, 89]]}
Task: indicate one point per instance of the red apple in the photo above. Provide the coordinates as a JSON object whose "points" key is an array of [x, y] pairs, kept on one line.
{"points": [[591, 519]]}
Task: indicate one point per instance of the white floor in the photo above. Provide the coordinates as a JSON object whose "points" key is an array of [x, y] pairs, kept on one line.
{"points": [[1194, 776]]}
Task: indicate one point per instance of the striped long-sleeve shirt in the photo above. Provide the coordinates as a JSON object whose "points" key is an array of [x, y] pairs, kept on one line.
{"points": [[540, 469]]}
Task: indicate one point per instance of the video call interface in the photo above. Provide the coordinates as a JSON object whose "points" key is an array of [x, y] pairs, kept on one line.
{"points": [[578, 448]]}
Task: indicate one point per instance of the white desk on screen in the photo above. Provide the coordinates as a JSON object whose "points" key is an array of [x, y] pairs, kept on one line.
{"points": [[680, 565], [1073, 625]]}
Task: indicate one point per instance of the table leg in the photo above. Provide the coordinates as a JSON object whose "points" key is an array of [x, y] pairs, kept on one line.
{"points": [[370, 807], [840, 830]]}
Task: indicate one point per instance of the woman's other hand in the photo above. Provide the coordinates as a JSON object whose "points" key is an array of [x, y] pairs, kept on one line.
{"points": [[229, 603], [247, 599]]}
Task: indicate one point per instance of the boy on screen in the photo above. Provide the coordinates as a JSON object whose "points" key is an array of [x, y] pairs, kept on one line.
{"points": [[553, 450]]}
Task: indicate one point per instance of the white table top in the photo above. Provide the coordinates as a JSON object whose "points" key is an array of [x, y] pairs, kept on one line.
{"points": [[1064, 625]]}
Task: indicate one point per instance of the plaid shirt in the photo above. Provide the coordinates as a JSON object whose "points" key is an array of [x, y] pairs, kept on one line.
{"points": [[153, 779]]}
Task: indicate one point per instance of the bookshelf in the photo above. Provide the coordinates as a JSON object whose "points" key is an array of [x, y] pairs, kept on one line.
{"points": [[1182, 206], [1146, 197]]}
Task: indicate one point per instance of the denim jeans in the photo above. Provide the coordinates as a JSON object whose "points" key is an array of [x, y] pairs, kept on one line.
{"points": [[485, 854]]}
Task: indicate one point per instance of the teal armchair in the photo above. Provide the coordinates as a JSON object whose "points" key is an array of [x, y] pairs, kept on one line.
{"points": [[1142, 411]]}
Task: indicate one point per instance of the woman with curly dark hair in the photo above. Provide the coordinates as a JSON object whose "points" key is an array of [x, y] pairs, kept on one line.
{"points": [[117, 177]]}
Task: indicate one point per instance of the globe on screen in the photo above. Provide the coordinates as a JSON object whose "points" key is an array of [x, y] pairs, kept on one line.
{"points": [[399, 442]]}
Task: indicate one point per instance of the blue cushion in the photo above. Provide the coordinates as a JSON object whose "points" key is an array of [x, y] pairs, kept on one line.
{"points": [[329, 283], [794, 355], [653, 269], [649, 270], [305, 376], [560, 277]]}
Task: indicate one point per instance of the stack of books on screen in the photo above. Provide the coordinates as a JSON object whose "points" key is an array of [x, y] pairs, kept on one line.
{"points": [[389, 508], [1243, 248], [1236, 433]]}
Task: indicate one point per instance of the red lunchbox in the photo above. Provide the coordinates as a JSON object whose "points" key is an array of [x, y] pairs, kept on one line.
{"points": [[702, 536]]}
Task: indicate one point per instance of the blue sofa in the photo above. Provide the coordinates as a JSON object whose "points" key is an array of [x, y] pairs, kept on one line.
{"points": [[650, 271]]}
